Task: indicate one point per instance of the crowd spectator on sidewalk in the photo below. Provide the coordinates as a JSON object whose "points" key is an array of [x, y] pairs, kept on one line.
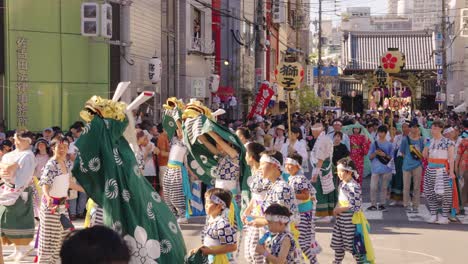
{"points": [[461, 163], [411, 149], [380, 154]]}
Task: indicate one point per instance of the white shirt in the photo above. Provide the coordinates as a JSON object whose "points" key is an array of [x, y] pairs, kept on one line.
{"points": [[300, 146], [323, 149]]}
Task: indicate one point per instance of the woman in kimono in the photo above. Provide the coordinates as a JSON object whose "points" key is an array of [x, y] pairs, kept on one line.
{"points": [[16, 209], [55, 181], [359, 149]]}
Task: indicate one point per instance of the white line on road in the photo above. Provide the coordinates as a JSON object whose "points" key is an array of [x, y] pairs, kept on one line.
{"points": [[434, 259], [422, 215], [371, 215]]}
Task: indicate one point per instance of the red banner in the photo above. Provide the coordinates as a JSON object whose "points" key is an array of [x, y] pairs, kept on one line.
{"points": [[262, 100]]}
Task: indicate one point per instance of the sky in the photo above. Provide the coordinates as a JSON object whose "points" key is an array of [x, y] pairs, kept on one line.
{"points": [[378, 7]]}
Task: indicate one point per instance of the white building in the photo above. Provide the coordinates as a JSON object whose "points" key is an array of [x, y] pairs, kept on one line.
{"points": [[392, 7], [144, 31], [457, 57], [405, 7], [426, 14], [196, 48]]}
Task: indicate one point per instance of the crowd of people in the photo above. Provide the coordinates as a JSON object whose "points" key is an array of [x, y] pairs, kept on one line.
{"points": [[306, 170]]}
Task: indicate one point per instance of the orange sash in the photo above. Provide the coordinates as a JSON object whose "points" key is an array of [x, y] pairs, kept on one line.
{"points": [[440, 161]]}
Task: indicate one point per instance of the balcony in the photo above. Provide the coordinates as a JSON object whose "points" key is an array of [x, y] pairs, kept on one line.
{"points": [[201, 46]]}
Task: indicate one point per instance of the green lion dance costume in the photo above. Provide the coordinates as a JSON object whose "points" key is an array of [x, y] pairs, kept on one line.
{"points": [[107, 169]]}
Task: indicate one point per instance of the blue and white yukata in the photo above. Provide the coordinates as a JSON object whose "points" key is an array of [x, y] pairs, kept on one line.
{"points": [[275, 246], [218, 232], [349, 195], [258, 188], [306, 209]]}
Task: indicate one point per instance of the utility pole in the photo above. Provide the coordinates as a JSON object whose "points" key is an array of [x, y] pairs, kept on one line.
{"points": [[259, 48], [298, 23], [319, 61], [443, 28]]}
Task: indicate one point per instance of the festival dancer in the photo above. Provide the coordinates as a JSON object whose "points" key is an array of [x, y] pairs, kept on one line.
{"points": [[218, 236], [279, 192], [258, 188], [176, 180], [54, 218], [347, 212], [16, 209], [322, 177], [107, 169], [281, 244], [440, 154], [305, 196]]}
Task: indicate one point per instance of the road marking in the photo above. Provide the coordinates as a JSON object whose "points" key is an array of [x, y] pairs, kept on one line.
{"points": [[371, 215], [422, 215], [434, 259]]}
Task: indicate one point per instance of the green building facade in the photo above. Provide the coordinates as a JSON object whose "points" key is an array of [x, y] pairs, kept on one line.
{"points": [[50, 69]]}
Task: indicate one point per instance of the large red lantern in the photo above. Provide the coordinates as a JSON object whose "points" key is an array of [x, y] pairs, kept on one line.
{"points": [[393, 61]]}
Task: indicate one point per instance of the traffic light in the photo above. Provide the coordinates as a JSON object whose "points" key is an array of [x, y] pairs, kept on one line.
{"points": [[106, 21], [89, 19]]}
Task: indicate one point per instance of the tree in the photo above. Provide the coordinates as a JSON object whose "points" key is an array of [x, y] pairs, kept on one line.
{"points": [[308, 99]]}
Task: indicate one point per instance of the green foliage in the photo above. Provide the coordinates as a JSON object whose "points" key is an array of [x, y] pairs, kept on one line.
{"points": [[308, 99]]}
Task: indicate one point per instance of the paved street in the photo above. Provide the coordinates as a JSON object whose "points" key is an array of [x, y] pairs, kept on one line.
{"points": [[397, 237]]}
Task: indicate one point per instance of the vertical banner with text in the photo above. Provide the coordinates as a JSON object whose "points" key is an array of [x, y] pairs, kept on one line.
{"points": [[263, 98]]}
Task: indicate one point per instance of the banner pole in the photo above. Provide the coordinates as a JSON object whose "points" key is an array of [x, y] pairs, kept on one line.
{"points": [[289, 113]]}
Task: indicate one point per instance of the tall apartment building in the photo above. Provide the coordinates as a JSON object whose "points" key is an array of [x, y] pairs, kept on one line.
{"points": [[426, 14], [392, 7]]}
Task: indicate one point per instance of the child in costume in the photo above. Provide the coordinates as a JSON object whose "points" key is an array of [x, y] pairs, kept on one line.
{"points": [[258, 187], [228, 169], [281, 247], [305, 196], [218, 236], [346, 212], [176, 181]]}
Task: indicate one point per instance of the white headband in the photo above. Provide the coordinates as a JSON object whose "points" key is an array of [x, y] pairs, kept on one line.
{"points": [[277, 218], [292, 161], [24, 138], [269, 159], [215, 199], [448, 130], [317, 128], [342, 167]]}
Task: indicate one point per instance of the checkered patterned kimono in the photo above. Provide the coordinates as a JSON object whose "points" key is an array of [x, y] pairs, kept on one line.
{"points": [[343, 230], [306, 228]]}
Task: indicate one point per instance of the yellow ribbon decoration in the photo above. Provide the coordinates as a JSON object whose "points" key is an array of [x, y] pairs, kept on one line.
{"points": [[360, 218], [220, 258]]}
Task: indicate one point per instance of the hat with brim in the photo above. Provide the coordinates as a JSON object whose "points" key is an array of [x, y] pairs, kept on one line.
{"points": [[281, 127]]}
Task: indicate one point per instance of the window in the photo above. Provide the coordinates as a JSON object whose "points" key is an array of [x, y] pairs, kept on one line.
{"points": [[196, 16]]}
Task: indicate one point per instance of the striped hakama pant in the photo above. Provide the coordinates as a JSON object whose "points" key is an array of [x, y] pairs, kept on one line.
{"points": [[51, 234], [252, 236], [307, 242], [438, 191], [174, 191], [343, 237]]}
